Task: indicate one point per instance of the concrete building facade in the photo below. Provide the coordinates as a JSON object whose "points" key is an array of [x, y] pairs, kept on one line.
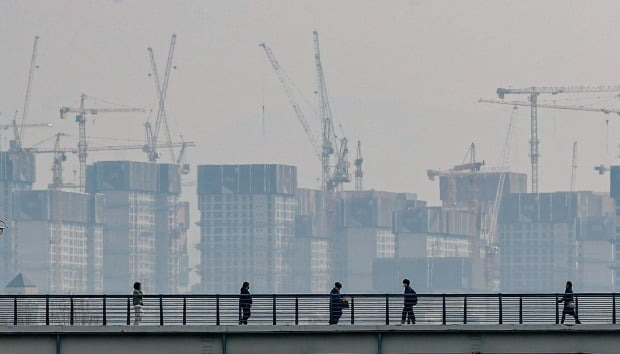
{"points": [[546, 239], [60, 239], [247, 226], [17, 173], [144, 238]]}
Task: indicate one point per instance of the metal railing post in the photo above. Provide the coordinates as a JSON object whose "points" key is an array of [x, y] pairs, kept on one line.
{"points": [[613, 310], [217, 310], [15, 311], [387, 309], [464, 309], [352, 310], [47, 310], [71, 315], [128, 312], [161, 310], [501, 314], [296, 310], [443, 309], [557, 310], [520, 309], [273, 309], [105, 320], [184, 310]]}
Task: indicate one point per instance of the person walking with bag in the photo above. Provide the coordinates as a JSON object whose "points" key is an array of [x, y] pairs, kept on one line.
{"points": [[137, 302], [245, 303], [335, 304], [570, 307], [411, 299]]}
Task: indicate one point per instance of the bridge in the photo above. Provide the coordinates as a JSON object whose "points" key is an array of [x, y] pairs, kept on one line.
{"points": [[297, 323]]}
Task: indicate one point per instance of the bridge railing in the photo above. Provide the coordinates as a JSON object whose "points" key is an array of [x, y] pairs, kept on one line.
{"points": [[303, 309]]}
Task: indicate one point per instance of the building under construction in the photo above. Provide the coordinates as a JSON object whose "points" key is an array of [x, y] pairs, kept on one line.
{"points": [[17, 173], [145, 235], [247, 226], [546, 239], [59, 240]]}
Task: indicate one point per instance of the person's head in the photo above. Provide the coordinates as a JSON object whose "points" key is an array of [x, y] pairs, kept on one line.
{"points": [[245, 285], [406, 282], [137, 285], [569, 284], [337, 285]]}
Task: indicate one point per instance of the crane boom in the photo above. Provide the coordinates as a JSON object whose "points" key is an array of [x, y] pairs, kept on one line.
{"points": [[549, 105], [31, 125], [33, 66], [162, 90], [359, 173], [284, 81], [533, 93], [554, 90]]}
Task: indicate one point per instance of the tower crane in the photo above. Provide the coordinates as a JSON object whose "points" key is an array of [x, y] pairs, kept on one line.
{"points": [[533, 93], [573, 174], [152, 134], [332, 180], [80, 118], [359, 173]]}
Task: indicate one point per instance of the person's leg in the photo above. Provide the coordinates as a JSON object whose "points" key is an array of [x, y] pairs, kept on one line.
{"points": [[246, 315], [412, 316], [576, 318], [338, 315], [563, 317], [404, 315]]}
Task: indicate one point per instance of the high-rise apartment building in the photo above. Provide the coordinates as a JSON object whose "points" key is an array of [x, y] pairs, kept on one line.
{"points": [[546, 239], [144, 238], [17, 173], [247, 226], [59, 240]]}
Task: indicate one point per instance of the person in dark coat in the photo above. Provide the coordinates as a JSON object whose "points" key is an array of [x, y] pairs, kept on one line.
{"points": [[335, 304], [569, 303], [411, 299], [245, 303], [137, 302]]}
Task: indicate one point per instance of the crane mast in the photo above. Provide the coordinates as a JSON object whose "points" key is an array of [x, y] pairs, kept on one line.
{"points": [[80, 118], [359, 173], [573, 174]]}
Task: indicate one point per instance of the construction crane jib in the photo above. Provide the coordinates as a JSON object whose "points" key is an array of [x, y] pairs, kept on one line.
{"points": [[533, 93], [80, 118], [286, 85], [152, 134]]}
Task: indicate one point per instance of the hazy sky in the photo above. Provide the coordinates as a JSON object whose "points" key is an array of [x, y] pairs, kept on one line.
{"points": [[403, 76]]}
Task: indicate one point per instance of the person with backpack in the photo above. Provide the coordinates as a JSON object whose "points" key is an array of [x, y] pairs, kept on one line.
{"points": [[245, 303], [410, 300], [335, 304], [570, 306], [137, 302]]}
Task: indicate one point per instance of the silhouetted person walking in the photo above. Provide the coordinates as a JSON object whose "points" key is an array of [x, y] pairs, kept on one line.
{"points": [[335, 304], [137, 302], [570, 307], [411, 299], [245, 303]]}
